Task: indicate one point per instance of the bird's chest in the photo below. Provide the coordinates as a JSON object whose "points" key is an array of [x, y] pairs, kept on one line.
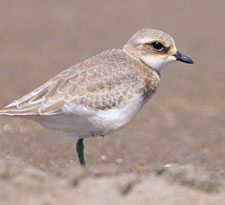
{"points": [[151, 85]]}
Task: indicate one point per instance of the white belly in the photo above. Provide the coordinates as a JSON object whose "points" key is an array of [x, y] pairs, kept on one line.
{"points": [[114, 119], [85, 122]]}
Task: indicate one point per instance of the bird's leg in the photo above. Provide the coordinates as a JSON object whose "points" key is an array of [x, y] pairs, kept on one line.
{"points": [[80, 151]]}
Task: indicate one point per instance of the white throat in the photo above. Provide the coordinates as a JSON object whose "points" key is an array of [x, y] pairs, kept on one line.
{"points": [[157, 63]]}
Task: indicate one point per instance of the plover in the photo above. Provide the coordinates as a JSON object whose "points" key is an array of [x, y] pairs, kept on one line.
{"points": [[104, 92]]}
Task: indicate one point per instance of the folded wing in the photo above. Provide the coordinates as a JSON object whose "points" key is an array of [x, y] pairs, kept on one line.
{"points": [[100, 82]]}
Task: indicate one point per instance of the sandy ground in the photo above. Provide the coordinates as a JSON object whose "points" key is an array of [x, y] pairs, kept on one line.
{"points": [[182, 125], [108, 185]]}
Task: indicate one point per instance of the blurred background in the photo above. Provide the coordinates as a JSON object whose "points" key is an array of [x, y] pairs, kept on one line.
{"points": [[182, 124]]}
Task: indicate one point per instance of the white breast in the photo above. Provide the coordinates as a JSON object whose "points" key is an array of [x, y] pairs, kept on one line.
{"points": [[84, 122], [114, 119]]}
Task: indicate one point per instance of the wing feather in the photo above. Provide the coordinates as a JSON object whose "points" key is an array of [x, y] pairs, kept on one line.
{"points": [[101, 82]]}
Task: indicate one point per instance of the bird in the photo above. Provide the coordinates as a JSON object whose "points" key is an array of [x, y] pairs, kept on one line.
{"points": [[102, 93]]}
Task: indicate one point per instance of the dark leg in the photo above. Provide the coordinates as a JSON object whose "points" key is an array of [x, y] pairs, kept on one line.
{"points": [[80, 151]]}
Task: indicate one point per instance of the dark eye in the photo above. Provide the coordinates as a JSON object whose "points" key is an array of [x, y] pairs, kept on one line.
{"points": [[157, 46]]}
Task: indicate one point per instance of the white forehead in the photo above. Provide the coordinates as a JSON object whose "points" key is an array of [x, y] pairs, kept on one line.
{"points": [[148, 35]]}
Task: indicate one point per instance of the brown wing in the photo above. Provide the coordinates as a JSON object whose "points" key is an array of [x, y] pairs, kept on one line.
{"points": [[101, 82]]}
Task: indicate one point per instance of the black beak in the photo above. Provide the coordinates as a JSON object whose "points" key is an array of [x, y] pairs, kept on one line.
{"points": [[181, 57]]}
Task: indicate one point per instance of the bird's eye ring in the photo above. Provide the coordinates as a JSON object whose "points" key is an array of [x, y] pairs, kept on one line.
{"points": [[157, 46]]}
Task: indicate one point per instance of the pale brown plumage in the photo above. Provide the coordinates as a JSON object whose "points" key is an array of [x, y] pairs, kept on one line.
{"points": [[107, 80]]}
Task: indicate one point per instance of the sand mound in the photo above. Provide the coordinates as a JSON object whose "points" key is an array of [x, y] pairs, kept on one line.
{"points": [[108, 185]]}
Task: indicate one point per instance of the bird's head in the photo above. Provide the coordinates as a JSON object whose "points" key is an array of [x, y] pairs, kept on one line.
{"points": [[154, 48]]}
